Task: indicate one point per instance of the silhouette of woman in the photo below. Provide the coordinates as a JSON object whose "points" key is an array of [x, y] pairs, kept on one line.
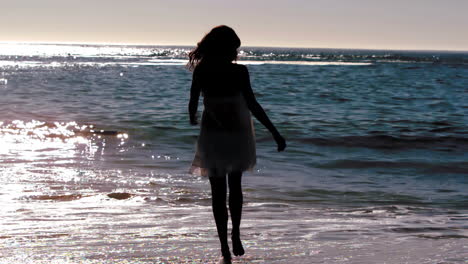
{"points": [[226, 144]]}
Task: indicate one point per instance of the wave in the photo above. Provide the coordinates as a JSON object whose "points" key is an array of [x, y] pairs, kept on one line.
{"points": [[25, 51], [427, 167], [310, 63], [159, 62], [363, 56], [392, 142], [57, 64]]}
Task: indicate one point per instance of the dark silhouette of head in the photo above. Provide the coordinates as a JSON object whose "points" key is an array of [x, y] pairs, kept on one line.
{"points": [[219, 45]]}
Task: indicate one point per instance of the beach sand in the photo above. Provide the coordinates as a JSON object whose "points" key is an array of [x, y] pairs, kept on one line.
{"points": [[99, 229]]}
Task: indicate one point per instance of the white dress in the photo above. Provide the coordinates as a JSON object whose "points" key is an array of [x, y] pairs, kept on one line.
{"points": [[227, 138]]}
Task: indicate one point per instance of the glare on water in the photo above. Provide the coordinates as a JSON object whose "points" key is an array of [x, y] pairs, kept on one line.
{"points": [[29, 140]]}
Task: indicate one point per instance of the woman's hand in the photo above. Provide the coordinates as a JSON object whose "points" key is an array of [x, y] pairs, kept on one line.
{"points": [[193, 118], [280, 141], [193, 121]]}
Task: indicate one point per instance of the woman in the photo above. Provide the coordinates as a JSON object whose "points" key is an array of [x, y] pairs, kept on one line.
{"points": [[226, 145]]}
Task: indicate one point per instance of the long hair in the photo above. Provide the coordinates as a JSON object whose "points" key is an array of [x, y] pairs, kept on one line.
{"points": [[220, 44]]}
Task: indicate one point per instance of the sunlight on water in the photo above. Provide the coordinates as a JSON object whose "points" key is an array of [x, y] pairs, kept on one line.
{"points": [[29, 49], [87, 50], [163, 62], [54, 143], [29, 64], [27, 140]]}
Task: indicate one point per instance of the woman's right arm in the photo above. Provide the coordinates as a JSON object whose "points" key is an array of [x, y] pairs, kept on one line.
{"points": [[194, 96], [257, 109]]}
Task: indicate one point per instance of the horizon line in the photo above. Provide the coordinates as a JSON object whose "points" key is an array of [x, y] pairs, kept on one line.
{"points": [[246, 46]]}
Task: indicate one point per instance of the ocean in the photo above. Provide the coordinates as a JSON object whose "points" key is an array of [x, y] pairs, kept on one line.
{"points": [[95, 147]]}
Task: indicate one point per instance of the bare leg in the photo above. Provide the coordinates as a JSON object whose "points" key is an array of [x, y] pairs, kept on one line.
{"points": [[218, 194], [235, 207]]}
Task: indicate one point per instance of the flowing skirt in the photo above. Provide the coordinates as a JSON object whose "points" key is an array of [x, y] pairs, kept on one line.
{"points": [[227, 139]]}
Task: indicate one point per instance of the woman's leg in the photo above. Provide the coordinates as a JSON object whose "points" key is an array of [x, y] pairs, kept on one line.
{"points": [[218, 199], [235, 207]]}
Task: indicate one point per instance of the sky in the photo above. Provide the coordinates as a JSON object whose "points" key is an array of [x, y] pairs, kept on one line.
{"points": [[364, 24]]}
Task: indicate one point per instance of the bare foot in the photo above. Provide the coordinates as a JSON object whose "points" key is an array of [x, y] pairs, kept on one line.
{"points": [[225, 261], [237, 248], [226, 255]]}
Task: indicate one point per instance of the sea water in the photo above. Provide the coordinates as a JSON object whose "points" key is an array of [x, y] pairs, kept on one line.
{"points": [[95, 147]]}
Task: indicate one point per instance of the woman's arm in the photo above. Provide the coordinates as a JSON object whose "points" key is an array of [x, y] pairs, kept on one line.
{"points": [[194, 96], [257, 110]]}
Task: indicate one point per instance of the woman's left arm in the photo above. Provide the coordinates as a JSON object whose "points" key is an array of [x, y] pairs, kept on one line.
{"points": [[194, 96]]}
